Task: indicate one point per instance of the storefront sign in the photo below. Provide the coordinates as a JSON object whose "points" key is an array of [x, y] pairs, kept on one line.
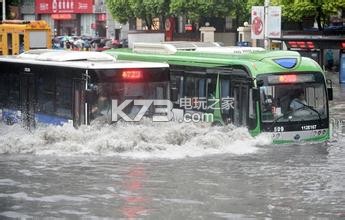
{"points": [[64, 6], [101, 17], [188, 27], [63, 16]]}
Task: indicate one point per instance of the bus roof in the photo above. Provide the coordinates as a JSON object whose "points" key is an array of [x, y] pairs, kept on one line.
{"points": [[257, 61], [77, 59]]}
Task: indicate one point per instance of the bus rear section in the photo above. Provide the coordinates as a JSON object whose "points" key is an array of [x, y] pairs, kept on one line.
{"points": [[121, 94], [294, 106], [58, 87]]}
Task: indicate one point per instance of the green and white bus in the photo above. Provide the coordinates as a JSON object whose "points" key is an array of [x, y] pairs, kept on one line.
{"points": [[278, 92]]}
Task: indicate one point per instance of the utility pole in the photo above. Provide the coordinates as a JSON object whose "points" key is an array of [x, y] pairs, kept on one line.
{"points": [[3, 9], [267, 43]]}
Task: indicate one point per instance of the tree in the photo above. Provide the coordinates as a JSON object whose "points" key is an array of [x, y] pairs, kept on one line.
{"points": [[240, 12], [197, 9], [123, 10]]}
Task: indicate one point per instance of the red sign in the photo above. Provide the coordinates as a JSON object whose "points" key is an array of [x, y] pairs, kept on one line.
{"points": [[102, 17], [64, 6], [169, 28], [63, 16], [188, 27]]}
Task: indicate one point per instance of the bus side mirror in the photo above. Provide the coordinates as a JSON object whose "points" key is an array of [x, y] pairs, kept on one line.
{"points": [[330, 90], [259, 83], [173, 94], [330, 94], [256, 94]]}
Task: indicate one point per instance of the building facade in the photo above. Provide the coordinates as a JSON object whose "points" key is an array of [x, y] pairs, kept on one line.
{"points": [[74, 17]]}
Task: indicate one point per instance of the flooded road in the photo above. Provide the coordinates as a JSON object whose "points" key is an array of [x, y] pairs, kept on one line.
{"points": [[170, 171]]}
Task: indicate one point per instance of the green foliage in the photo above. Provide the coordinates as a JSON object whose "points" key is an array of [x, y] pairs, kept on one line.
{"points": [[331, 6], [296, 10], [13, 2], [292, 10], [122, 10], [195, 9], [240, 11]]}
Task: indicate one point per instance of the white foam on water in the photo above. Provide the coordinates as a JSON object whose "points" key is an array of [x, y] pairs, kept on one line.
{"points": [[29, 173], [52, 198], [8, 182], [72, 212], [170, 140], [15, 215]]}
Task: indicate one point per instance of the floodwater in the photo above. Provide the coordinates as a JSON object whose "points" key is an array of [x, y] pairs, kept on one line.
{"points": [[169, 171]]}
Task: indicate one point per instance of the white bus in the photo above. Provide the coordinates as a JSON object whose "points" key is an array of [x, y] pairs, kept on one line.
{"points": [[57, 87]]}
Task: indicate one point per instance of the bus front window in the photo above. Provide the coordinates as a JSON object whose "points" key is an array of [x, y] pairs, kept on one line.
{"points": [[293, 102]]}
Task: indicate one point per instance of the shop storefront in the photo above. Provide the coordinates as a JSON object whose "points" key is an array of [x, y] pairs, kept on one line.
{"points": [[67, 17]]}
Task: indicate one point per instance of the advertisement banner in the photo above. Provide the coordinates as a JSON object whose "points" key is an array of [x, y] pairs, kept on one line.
{"points": [[274, 21], [257, 20], [101, 17], [63, 6], [63, 16]]}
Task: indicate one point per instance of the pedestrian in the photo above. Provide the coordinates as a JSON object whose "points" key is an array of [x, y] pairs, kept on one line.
{"points": [[329, 59]]}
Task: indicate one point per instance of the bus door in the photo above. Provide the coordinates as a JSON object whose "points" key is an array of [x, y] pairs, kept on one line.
{"points": [[240, 93], [28, 99], [78, 107]]}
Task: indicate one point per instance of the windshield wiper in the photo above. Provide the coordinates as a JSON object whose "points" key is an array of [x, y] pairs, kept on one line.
{"points": [[309, 107], [292, 111], [280, 117]]}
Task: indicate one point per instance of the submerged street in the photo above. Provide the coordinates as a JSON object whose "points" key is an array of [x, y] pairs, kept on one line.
{"points": [[170, 171]]}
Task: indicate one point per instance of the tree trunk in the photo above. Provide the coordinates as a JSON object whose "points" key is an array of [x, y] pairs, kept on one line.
{"points": [[318, 18], [148, 23], [237, 23]]}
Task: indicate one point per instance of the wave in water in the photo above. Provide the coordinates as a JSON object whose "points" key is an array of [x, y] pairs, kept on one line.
{"points": [[145, 140]]}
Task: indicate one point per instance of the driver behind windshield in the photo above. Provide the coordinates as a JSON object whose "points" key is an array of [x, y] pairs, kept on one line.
{"points": [[299, 101]]}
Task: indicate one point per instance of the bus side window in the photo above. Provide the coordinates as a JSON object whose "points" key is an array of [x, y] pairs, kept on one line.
{"points": [[252, 110], [64, 97], [189, 87], [225, 95], [46, 94], [159, 93], [202, 88], [13, 91], [3, 90], [211, 88], [175, 83]]}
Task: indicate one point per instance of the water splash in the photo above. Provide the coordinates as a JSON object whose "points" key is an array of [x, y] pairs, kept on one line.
{"points": [[144, 140]]}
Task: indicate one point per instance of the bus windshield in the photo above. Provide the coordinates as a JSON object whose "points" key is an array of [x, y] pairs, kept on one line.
{"points": [[289, 102]]}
